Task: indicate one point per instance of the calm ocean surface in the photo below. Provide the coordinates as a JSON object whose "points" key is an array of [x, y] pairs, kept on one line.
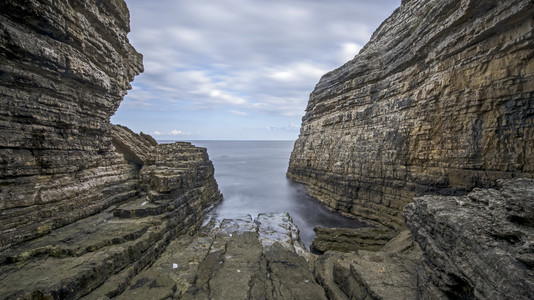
{"points": [[251, 176]]}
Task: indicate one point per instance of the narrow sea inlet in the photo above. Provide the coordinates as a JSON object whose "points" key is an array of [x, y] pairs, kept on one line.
{"points": [[251, 176]]}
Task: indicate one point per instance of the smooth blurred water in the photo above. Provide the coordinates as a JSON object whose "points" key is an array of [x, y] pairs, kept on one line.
{"points": [[251, 176]]}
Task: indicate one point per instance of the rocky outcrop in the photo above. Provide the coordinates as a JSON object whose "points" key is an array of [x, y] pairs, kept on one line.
{"points": [[390, 273], [438, 102], [65, 66], [84, 205], [477, 246], [134, 147], [102, 253], [237, 258]]}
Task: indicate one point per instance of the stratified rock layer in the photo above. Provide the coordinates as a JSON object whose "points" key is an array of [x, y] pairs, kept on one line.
{"points": [[84, 205], [441, 100], [64, 69], [101, 254], [349, 239], [477, 246]]}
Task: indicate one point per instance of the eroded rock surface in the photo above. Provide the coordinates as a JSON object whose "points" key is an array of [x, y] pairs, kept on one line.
{"points": [[84, 205], [64, 69], [237, 258], [350, 239], [439, 101], [390, 273], [99, 255], [480, 245]]}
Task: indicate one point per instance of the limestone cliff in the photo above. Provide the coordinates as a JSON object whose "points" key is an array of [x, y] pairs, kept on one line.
{"points": [[85, 201], [65, 67], [440, 100]]}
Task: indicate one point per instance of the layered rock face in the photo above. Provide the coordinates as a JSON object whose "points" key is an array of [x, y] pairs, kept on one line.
{"points": [[83, 202], [99, 255], [349, 239], [65, 66], [477, 246], [440, 100]]}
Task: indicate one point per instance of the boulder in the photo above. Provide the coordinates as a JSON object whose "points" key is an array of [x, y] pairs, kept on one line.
{"points": [[390, 273]]}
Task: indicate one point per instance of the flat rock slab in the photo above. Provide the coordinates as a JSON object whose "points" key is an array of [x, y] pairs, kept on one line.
{"points": [[73, 260], [350, 239], [238, 258]]}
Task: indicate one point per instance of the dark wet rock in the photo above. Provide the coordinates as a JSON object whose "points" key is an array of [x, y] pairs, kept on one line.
{"points": [[350, 239], [479, 245]]}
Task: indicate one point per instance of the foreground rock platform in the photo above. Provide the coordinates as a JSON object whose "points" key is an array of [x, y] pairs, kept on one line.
{"points": [[237, 258], [389, 273]]}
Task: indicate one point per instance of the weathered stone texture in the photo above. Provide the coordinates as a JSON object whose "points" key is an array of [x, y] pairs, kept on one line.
{"points": [[64, 68], [135, 148], [477, 246], [238, 258], [440, 100], [350, 239], [390, 273], [84, 205]]}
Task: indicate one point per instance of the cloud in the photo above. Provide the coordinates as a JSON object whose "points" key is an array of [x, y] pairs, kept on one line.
{"points": [[349, 50], [172, 132], [240, 54], [238, 113], [292, 127], [179, 132], [299, 72], [227, 58]]}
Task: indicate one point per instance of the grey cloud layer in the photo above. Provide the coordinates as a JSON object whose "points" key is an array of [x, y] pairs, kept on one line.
{"points": [[244, 56]]}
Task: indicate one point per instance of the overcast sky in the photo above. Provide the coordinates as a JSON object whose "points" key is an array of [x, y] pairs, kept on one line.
{"points": [[238, 69]]}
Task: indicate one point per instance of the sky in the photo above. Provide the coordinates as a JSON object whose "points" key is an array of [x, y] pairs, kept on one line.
{"points": [[238, 69]]}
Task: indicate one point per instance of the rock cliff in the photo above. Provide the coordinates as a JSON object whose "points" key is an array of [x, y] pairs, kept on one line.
{"points": [[440, 101], [83, 202], [65, 67]]}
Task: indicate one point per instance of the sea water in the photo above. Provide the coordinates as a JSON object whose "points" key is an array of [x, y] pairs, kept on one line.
{"points": [[252, 178]]}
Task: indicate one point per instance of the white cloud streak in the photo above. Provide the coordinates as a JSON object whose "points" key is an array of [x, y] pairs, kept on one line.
{"points": [[172, 132]]}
